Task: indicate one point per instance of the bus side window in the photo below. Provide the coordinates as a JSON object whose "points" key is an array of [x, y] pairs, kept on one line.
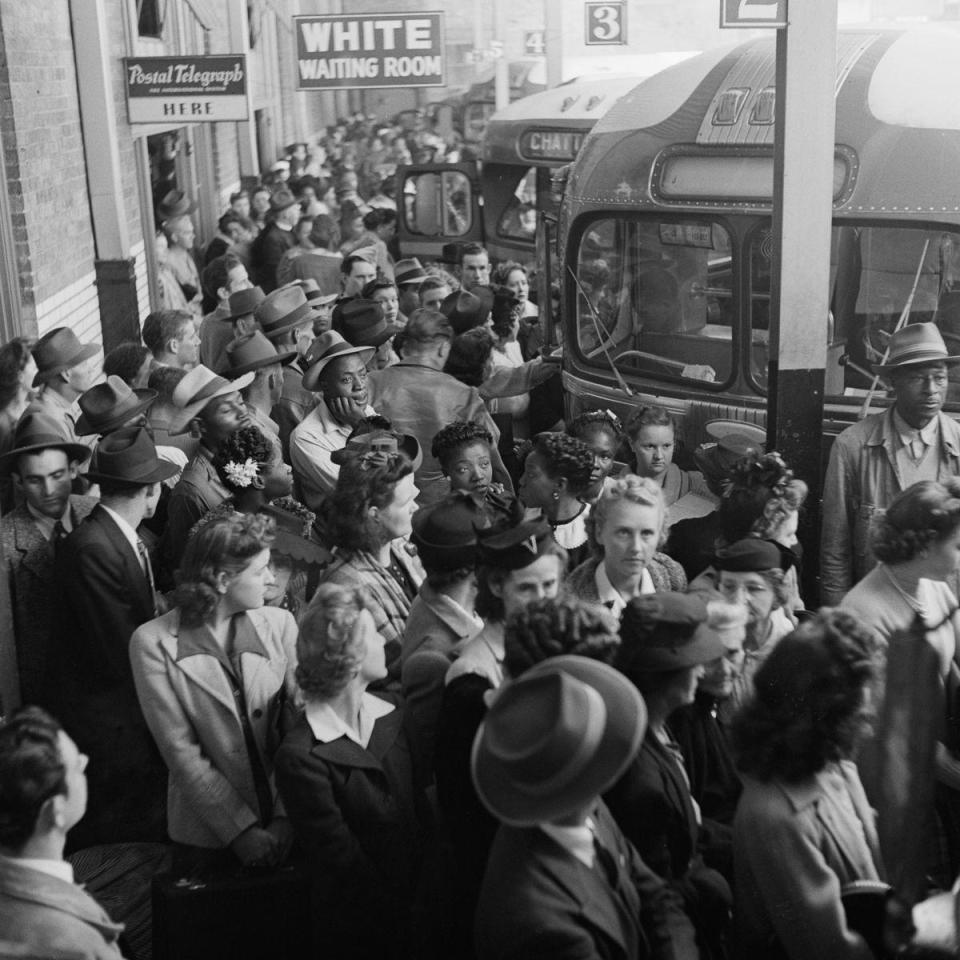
{"points": [[438, 204]]}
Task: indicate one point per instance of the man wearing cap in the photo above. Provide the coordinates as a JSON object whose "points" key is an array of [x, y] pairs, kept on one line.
{"points": [[66, 368], [562, 880], [276, 239], [338, 371], [212, 407], [879, 457], [172, 338], [255, 354], [108, 590], [180, 240], [420, 399], [44, 463], [321, 263]]}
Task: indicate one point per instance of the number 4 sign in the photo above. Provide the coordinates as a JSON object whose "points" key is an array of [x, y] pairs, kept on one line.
{"points": [[606, 23], [753, 13]]}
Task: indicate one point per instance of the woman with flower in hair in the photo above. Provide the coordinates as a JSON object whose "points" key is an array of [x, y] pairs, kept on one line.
{"points": [[368, 517], [345, 773], [249, 467], [602, 432], [556, 475], [215, 680]]}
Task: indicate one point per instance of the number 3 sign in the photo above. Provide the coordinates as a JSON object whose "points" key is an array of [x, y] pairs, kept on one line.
{"points": [[606, 23]]}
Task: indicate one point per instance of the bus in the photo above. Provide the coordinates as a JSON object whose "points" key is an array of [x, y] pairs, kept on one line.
{"points": [[496, 202], [666, 239]]}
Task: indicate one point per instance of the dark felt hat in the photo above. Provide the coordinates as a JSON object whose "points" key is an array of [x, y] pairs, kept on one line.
{"points": [[514, 547], [363, 324], [129, 456], [326, 348], [666, 631], [451, 253], [284, 309], [109, 405], [445, 533], [281, 199], [465, 310], [175, 204], [36, 432], [244, 302], [253, 352], [750, 555], [555, 739], [409, 271], [59, 350]]}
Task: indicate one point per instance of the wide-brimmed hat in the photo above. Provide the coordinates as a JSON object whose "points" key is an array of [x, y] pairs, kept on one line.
{"points": [[914, 344], [451, 253], [244, 302], [57, 351], [377, 446], [175, 204], [363, 324], [283, 310], [36, 432], [514, 547], [465, 310], [445, 533], [327, 347], [129, 456], [292, 537], [108, 405], [311, 289], [555, 739], [409, 271], [281, 198], [734, 440], [665, 631], [196, 390], [253, 352]]}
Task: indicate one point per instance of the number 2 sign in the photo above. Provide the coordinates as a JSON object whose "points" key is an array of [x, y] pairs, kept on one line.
{"points": [[753, 13], [606, 23]]}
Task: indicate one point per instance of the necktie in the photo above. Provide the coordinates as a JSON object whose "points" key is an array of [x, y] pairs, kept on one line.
{"points": [[148, 573], [59, 532], [606, 861]]}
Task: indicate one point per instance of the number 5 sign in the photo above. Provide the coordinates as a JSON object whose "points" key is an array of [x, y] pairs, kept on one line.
{"points": [[606, 23], [753, 13]]}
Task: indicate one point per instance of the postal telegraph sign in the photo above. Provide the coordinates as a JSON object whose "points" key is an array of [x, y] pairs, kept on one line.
{"points": [[369, 50], [186, 89]]}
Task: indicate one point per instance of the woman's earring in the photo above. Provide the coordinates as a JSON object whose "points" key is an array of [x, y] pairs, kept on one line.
{"points": [[556, 494]]}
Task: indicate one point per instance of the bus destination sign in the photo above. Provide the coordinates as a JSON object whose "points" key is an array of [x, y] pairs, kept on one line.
{"points": [[550, 144]]}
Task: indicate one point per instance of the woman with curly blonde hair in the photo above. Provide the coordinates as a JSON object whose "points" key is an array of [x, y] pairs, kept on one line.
{"points": [[215, 677], [346, 777]]}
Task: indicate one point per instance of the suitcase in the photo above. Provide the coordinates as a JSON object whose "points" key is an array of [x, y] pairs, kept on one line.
{"points": [[245, 916]]}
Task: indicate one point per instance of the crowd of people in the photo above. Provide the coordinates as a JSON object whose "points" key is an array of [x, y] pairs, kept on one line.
{"points": [[318, 575]]}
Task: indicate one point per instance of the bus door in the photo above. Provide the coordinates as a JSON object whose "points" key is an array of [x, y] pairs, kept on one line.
{"points": [[438, 203]]}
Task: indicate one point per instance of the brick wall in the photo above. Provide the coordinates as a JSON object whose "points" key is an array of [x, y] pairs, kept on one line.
{"points": [[44, 160]]}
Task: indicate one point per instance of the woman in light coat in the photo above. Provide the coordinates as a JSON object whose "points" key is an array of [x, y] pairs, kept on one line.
{"points": [[215, 680]]}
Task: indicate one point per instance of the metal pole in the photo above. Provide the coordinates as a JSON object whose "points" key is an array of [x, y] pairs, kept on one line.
{"points": [[553, 40], [803, 205], [501, 65]]}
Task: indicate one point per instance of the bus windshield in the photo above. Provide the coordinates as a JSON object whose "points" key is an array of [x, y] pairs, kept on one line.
{"points": [[656, 297]]}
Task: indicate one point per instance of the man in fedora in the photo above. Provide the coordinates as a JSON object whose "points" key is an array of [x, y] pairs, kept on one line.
{"points": [[236, 320], [338, 372], [44, 463], [212, 408], [419, 398], [276, 239], [562, 880], [111, 405], [287, 318], [107, 590], [874, 460], [66, 368], [255, 354], [172, 338]]}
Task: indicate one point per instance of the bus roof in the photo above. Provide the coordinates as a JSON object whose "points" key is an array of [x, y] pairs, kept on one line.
{"points": [[896, 107], [539, 128]]}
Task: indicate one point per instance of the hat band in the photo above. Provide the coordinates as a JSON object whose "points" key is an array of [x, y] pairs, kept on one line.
{"points": [[289, 319], [918, 354], [31, 441], [335, 351], [209, 390], [126, 472]]}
